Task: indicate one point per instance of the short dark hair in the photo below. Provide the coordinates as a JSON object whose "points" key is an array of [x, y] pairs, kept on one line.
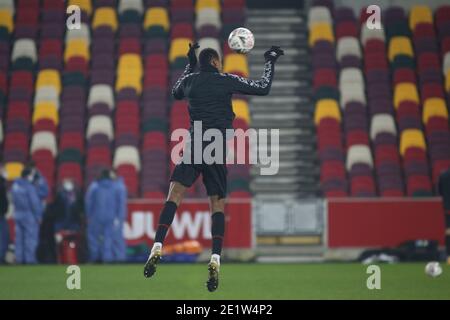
{"points": [[207, 55], [25, 172], [104, 174]]}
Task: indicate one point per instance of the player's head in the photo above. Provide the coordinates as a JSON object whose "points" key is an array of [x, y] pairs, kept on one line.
{"points": [[210, 56]]}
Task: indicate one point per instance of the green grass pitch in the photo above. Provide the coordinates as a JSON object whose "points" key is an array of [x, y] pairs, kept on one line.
{"points": [[238, 281]]}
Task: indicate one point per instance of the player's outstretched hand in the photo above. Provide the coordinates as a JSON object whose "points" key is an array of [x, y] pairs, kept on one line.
{"points": [[273, 53], [191, 54]]}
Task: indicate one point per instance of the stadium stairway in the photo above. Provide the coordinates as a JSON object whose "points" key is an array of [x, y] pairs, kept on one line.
{"points": [[288, 107]]}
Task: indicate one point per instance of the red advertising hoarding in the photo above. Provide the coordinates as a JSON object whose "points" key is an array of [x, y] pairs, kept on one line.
{"points": [[192, 222], [354, 223]]}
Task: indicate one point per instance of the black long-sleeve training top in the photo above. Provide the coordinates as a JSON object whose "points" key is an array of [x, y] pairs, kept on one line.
{"points": [[209, 93]]}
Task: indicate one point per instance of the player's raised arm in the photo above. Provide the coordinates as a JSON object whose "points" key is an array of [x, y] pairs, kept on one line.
{"points": [[259, 87], [177, 90]]}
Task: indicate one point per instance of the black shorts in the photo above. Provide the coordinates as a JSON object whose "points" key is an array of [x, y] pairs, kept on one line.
{"points": [[214, 177], [214, 174]]}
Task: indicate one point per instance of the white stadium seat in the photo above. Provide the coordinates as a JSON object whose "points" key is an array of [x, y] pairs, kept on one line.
{"points": [[79, 34], [319, 14], [208, 16], [382, 123], [210, 43], [135, 5], [8, 5], [101, 93], [359, 153], [352, 92], [446, 64], [47, 94], [100, 124], [348, 46], [127, 155], [44, 140], [368, 34], [351, 75], [24, 48]]}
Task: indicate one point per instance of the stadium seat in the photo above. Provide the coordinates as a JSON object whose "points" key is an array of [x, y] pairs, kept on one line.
{"points": [[411, 138], [85, 5], [321, 31], [100, 124], [127, 155], [44, 141], [319, 14], [382, 123], [157, 18], [77, 48], [105, 16], [207, 4], [420, 14], [101, 93], [45, 110], [47, 94], [241, 110], [347, 46], [236, 63], [434, 107], [24, 48], [13, 170], [326, 108], [400, 46], [208, 17], [48, 78], [405, 92]]}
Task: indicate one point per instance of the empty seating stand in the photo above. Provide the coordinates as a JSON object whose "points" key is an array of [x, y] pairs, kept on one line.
{"points": [[393, 96]]}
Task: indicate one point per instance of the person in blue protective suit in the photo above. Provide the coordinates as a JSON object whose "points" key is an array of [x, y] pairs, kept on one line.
{"points": [[39, 181], [101, 208], [27, 215], [119, 245]]}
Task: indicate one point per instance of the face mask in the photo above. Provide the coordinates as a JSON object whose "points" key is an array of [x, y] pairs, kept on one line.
{"points": [[68, 186], [30, 178]]}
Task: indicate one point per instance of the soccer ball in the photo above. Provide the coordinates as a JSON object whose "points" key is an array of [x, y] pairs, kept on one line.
{"points": [[241, 40], [433, 269]]}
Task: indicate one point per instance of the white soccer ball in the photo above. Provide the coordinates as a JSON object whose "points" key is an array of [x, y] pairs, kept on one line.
{"points": [[241, 40], [433, 269]]}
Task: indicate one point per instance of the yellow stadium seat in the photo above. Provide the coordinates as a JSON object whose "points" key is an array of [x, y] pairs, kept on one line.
{"points": [[327, 108], [320, 31], [6, 20], [207, 4], [400, 46], [130, 62], [420, 14], [411, 138], [156, 17], [13, 170], [236, 62], [129, 81], [434, 107], [48, 77], [84, 5], [105, 16], [178, 48], [77, 48], [241, 110], [405, 92], [45, 110]]}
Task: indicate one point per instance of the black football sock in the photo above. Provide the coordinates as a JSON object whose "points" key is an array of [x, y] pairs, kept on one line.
{"points": [[217, 231], [165, 220]]}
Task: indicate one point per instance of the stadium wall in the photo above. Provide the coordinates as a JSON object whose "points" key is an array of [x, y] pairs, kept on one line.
{"points": [[355, 225]]}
